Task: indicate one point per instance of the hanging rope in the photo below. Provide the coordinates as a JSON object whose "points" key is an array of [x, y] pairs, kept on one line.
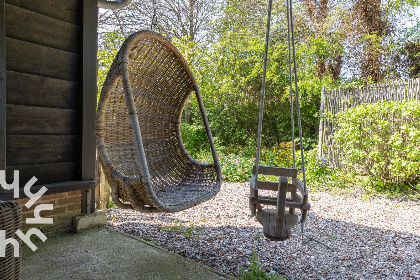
{"points": [[292, 113], [277, 223], [260, 119], [291, 35]]}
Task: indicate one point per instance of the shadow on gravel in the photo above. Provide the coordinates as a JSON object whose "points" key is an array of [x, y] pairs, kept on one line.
{"points": [[328, 249]]}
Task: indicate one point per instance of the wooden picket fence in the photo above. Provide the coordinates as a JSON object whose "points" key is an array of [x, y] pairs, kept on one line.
{"points": [[339, 99]]}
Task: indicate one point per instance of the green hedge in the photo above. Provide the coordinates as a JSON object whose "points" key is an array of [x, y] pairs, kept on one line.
{"points": [[382, 140]]}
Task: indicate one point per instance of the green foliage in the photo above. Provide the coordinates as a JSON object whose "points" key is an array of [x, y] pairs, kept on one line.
{"points": [[237, 163], [229, 73], [194, 138], [110, 203], [279, 155], [177, 226], [382, 141], [319, 175], [254, 271], [106, 53], [236, 168]]}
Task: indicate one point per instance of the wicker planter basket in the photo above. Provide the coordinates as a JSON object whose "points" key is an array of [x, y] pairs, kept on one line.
{"points": [[10, 222]]}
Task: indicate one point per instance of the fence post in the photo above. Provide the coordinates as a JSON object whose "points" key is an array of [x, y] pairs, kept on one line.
{"points": [[417, 94], [321, 123]]}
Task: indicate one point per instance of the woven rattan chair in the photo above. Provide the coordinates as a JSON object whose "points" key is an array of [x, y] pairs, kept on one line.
{"points": [[138, 129], [10, 222]]}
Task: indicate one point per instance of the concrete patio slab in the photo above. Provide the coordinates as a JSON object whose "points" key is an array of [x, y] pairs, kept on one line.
{"points": [[105, 253]]}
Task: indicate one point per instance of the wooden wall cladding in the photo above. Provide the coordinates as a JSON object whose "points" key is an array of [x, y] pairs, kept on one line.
{"points": [[65, 10], [45, 173], [22, 119], [2, 91], [35, 28], [43, 40], [40, 149], [41, 91], [39, 60]]}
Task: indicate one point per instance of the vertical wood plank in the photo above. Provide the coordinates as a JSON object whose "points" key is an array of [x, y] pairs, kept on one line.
{"points": [[2, 90], [418, 89], [89, 90], [321, 122]]}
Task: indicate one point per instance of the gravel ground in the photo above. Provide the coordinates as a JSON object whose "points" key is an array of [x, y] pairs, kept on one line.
{"points": [[346, 237]]}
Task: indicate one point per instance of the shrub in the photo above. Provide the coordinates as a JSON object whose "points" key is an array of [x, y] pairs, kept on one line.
{"points": [[381, 140], [194, 138], [319, 174], [237, 163], [279, 155], [236, 168]]}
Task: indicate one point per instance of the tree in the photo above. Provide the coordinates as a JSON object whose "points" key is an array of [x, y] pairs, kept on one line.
{"points": [[407, 58], [325, 25], [375, 38], [372, 28], [176, 18], [412, 50]]}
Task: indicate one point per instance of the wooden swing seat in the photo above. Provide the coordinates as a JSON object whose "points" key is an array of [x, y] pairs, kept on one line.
{"points": [[268, 218], [277, 223]]}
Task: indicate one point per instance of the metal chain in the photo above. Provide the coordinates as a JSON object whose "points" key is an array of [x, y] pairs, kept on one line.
{"points": [[154, 23]]}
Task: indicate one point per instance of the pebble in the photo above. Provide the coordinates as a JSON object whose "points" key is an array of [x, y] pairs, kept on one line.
{"points": [[345, 236]]}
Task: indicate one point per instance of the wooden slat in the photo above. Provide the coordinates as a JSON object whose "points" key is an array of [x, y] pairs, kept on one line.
{"points": [[265, 185], [67, 10], [297, 198], [267, 201], [252, 182], [299, 185], [39, 149], [273, 186], [277, 171], [54, 188], [40, 60], [301, 206], [35, 28], [30, 120], [89, 89], [273, 202], [253, 194], [46, 173], [25, 89], [281, 203], [2, 91]]}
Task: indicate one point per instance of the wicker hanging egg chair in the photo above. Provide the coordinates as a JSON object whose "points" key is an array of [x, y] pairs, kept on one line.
{"points": [[138, 129]]}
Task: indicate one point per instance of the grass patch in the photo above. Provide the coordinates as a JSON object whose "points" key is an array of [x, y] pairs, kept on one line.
{"points": [[177, 226], [255, 271]]}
